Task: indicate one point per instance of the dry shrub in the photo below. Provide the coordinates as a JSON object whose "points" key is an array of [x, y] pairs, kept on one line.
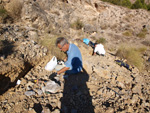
{"points": [[127, 33], [101, 40], [77, 24], [132, 55], [14, 8], [49, 42], [4, 16], [142, 33]]}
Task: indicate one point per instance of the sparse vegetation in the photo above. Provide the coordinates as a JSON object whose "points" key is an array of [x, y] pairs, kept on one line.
{"points": [[132, 55], [49, 42], [143, 33], [77, 24], [125, 3], [14, 8], [101, 40], [93, 37], [138, 4], [3, 14], [127, 33], [146, 42], [2, 11]]}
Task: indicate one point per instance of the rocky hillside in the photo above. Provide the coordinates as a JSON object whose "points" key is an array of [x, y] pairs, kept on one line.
{"points": [[102, 87]]}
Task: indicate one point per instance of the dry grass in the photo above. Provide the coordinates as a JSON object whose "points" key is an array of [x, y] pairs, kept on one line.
{"points": [[132, 55], [14, 8], [101, 40], [93, 37], [49, 42]]}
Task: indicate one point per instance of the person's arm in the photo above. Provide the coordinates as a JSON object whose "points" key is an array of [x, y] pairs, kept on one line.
{"points": [[62, 70]]}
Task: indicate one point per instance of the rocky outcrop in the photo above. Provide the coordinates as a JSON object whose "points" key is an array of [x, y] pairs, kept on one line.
{"points": [[19, 53]]}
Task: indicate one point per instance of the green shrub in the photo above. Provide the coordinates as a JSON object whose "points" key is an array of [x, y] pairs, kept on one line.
{"points": [[101, 40], [77, 24], [144, 4], [132, 55]]}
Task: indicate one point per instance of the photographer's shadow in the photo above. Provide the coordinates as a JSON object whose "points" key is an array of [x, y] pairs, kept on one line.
{"points": [[76, 97]]}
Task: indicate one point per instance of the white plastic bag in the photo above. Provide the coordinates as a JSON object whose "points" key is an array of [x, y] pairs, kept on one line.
{"points": [[51, 64], [52, 87], [100, 49]]}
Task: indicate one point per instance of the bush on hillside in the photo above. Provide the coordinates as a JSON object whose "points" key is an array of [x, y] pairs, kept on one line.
{"points": [[127, 33], [101, 40], [77, 24], [142, 33], [144, 4]]}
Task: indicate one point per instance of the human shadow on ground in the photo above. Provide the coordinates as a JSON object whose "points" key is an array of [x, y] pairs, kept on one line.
{"points": [[6, 48], [37, 107], [4, 84], [76, 97]]}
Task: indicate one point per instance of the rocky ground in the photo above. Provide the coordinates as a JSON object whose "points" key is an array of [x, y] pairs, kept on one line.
{"points": [[103, 86]]}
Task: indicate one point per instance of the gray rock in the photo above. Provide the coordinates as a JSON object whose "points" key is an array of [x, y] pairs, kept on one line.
{"points": [[52, 87]]}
